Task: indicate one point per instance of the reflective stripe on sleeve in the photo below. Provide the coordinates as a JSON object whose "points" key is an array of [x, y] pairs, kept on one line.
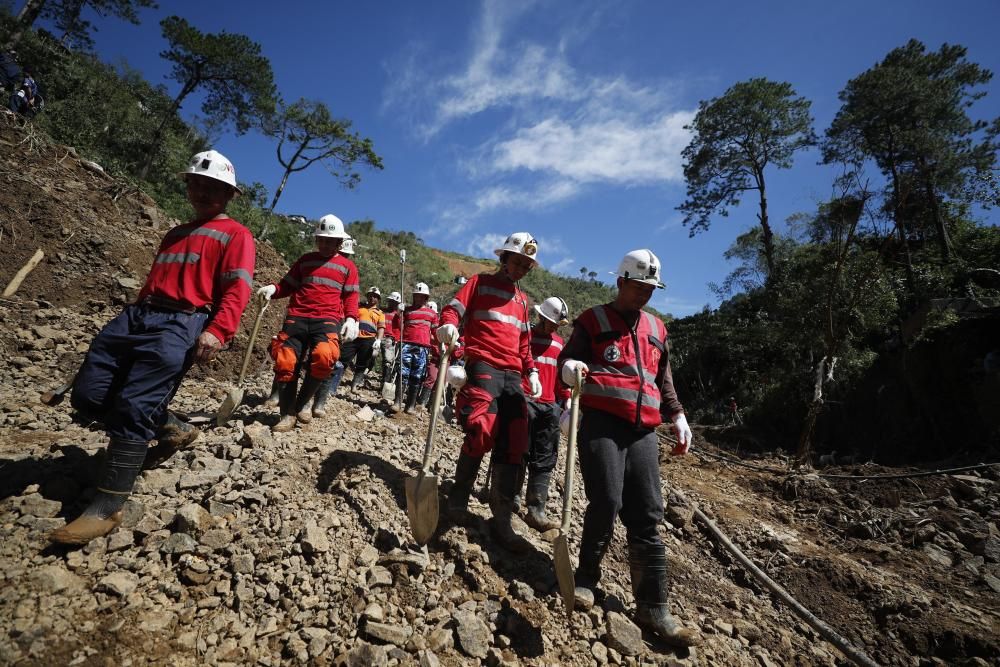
{"points": [[238, 274], [178, 258], [497, 317], [459, 306]]}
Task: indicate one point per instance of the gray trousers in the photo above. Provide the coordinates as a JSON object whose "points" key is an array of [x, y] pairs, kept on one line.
{"points": [[621, 477]]}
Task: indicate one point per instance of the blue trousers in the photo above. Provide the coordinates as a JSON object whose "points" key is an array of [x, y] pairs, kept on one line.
{"points": [[133, 368], [414, 363]]}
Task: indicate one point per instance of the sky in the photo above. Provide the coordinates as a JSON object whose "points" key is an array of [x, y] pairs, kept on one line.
{"points": [[564, 118]]}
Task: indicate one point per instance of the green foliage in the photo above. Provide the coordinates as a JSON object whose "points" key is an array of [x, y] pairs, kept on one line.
{"points": [[313, 135], [69, 19]]}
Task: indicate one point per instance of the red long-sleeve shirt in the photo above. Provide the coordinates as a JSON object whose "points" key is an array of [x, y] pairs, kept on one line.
{"points": [[392, 325], [545, 349], [321, 287], [495, 316], [203, 264], [417, 325]]}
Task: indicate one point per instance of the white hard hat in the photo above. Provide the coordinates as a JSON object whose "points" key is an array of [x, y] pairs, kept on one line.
{"points": [[421, 288], [374, 290], [394, 296], [554, 309], [331, 227], [347, 247], [521, 243], [433, 305], [641, 265], [213, 164]]}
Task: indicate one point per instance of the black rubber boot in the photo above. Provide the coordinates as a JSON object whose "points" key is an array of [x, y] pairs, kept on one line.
{"points": [[175, 433], [309, 388], [358, 379], [319, 401], [588, 573], [411, 397], [503, 487], [466, 471], [519, 486], [648, 568], [121, 467], [275, 396], [286, 406], [425, 397], [536, 495]]}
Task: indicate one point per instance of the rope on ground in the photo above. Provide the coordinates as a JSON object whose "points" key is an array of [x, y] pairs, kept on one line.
{"points": [[779, 471], [846, 647]]}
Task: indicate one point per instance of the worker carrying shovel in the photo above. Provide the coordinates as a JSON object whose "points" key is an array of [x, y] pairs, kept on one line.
{"points": [[628, 390], [322, 315], [491, 405], [190, 305]]}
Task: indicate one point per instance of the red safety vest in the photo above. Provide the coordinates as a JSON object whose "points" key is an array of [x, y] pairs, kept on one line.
{"points": [[417, 325], [623, 365]]}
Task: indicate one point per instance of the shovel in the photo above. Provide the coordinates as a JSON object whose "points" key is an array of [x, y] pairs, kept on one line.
{"points": [[56, 396], [235, 396], [422, 489], [389, 388], [560, 547]]}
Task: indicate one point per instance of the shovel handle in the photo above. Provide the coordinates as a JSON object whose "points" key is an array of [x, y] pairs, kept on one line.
{"points": [[574, 419], [253, 339], [435, 408]]}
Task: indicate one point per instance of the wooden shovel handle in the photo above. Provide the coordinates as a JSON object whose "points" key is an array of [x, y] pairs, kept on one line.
{"points": [[435, 407], [253, 339], [574, 419]]}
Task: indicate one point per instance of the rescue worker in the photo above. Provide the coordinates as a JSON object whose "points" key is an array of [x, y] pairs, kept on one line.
{"points": [[491, 405], [431, 372], [189, 306], [418, 320], [544, 411], [627, 392], [322, 314], [390, 341], [371, 322]]}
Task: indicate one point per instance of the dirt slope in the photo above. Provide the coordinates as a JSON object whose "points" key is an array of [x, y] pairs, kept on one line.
{"points": [[294, 549]]}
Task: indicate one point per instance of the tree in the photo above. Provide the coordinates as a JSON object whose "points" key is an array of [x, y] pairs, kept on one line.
{"points": [[909, 114], [24, 20], [237, 80], [312, 135], [755, 124], [583, 270], [592, 275], [67, 15]]}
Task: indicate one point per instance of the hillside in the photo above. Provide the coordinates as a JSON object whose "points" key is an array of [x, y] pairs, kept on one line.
{"points": [[250, 548]]}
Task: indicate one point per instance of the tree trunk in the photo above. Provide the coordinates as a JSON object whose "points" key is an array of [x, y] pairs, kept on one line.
{"points": [[765, 225], [944, 240], [897, 216], [25, 19], [281, 187], [154, 144]]}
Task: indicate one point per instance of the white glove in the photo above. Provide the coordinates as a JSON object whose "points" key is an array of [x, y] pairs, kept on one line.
{"points": [[447, 334], [266, 292], [569, 371], [348, 330], [684, 435], [456, 376], [535, 383], [376, 346]]}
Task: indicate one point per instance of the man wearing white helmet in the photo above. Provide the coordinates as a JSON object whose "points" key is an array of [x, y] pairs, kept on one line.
{"points": [[431, 369], [190, 305], [371, 328], [418, 321], [493, 312], [628, 391], [544, 411], [322, 315], [390, 341]]}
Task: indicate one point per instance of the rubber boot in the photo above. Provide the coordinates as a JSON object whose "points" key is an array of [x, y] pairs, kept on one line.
{"points": [[411, 397], [588, 573], [537, 494], [175, 433], [648, 568], [503, 487], [121, 467], [519, 495], [466, 471], [275, 396], [286, 404], [319, 401], [425, 397], [309, 388]]}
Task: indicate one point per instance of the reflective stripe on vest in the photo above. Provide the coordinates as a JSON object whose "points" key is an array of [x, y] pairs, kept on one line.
{"points": [[550, 361], [537, 340], [178, 258], [499, 317], [624, 370], [317, 280], [622, 394], [493, 291], [238, 274]]}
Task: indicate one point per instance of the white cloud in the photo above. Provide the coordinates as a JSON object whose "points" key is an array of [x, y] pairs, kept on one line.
{"points": [[484, 244], [457, 217], [562, 266]]}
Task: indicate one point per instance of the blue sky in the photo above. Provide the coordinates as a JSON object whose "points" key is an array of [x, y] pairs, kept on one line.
{"points": [[562, 118]]}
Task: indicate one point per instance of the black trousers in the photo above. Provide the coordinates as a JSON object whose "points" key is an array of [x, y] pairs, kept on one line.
{"points": [[621, 477], [543, 430]]}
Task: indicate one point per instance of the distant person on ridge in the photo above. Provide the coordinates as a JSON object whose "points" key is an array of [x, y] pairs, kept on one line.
{"points": [[322, 314], [190, 305]]}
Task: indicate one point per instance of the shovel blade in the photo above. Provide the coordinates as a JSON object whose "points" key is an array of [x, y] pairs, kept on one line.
{"points": [[389, 391], [233, 399], [564, 571], [422, 506]]}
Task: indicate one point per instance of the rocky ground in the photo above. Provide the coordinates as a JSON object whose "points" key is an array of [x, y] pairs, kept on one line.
{"points": [[251, 548]]}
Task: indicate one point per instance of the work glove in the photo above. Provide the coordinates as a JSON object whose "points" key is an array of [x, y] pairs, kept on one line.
{"points": [[684, 435], [447, 334], [348, 330], [456, 376], [266, 292], [376, 346], [569, 371], [534, 383]]}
